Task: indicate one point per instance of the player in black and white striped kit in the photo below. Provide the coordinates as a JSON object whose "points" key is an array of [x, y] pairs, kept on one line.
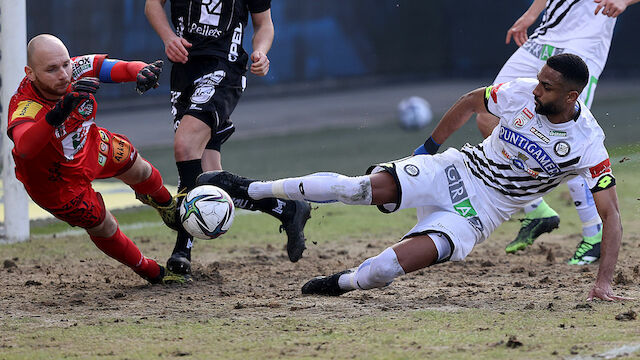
{"points": [[462, 196], [207, 79], [584, 28]]}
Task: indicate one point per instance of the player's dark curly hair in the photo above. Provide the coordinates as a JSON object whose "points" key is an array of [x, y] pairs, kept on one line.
{"points": [[572, 68]]}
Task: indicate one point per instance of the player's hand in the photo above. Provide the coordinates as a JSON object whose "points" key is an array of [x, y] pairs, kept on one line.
{"points": [[604, 292], [148, 76], [88, 85], [176, 49], [518, 30], [260, 64], [610, 8], [65, 106]]}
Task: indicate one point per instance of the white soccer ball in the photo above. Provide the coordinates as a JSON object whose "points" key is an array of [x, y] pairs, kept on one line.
{"points": [[207, 212], [414, 113]]}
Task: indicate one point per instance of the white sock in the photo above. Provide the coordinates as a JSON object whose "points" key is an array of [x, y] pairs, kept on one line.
{"points": [[375, 272], [318, 187], [529, 207], [585, 205], [442, 245]]}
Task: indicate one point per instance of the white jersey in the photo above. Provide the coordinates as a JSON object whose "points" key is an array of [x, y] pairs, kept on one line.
{"points": [[571, 26], [526, 156]]}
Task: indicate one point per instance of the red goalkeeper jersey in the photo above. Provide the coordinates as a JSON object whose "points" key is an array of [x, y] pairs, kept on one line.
{"points": [[71, 158]]}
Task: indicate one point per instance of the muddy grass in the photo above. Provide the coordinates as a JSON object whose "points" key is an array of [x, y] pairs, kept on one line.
{"points": [[259, 282]]}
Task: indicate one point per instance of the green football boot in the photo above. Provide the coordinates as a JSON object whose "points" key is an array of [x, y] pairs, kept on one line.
{"points": [[588, 250], [539, 221]]}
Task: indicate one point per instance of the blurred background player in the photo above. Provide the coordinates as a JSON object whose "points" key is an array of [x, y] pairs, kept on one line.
{"points": [[59, 150], [584, 28], [483, 187], [207, 79]]}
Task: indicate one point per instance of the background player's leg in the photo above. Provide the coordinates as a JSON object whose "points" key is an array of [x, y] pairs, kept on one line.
{"points": [[211, 160], [588, 250], [113, 242], [190, 140], [539, 218]]}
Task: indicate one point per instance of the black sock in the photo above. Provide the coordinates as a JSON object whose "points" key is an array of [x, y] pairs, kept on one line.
{"points": [[188, 171], [272, 206], [184, 242]]}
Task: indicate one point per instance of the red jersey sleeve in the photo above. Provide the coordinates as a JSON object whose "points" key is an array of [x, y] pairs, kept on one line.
{"points": [[87, 66], [105, 69], [28, 128], [24, 111]]}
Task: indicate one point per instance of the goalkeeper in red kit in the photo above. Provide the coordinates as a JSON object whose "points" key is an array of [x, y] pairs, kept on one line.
{"points": [[59, 150]]}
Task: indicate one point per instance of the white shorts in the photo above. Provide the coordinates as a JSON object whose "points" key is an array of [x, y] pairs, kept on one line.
{"points": [[523, 64], [446, 200]]}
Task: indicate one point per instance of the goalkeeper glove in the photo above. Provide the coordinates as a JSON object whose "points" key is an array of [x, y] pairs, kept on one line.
{"points": [[88, 85], [64, 107], [148, 76]]}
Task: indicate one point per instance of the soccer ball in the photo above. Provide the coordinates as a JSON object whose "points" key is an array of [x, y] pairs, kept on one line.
{"points": [[207, 212], [414, 113]]}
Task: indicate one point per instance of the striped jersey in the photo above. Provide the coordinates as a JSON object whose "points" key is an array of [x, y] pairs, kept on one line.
{"points": [[526, 155], [572, 26]]}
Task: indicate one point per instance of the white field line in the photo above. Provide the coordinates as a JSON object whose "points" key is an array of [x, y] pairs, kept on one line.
{"points": [[126, 227], [622, 351]]}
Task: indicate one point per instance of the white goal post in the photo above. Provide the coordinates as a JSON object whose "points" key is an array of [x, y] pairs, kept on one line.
{"points": [[13, 58]]}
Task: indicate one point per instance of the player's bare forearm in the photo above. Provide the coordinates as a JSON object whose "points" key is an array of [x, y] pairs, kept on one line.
{"points": [[263, 31], [175, 47], [607, 204], [154, 10], [469, 104], [535, 9], [611, 239]]}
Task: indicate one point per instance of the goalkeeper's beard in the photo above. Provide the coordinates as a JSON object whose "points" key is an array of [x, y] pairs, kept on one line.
{"points": [[55, 92]]}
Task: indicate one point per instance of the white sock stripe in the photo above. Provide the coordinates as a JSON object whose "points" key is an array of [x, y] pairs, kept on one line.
{"points": [[277, 188], [353, 281], [593, 222]]}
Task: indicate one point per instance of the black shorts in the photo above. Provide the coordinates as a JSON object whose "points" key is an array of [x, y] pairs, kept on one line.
{"points": [[208, 89]]}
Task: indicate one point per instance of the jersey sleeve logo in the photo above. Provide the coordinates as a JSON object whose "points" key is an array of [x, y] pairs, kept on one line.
{"points": [[121, 149], [26, 109], [492, 91], [82, 65], [521, 120], [605, 182], [601, 168]]}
